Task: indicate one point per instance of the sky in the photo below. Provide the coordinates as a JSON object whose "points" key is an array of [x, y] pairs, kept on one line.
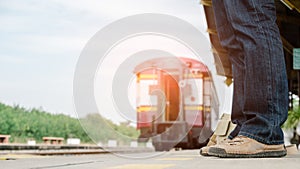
{"points": [[41, 41]]}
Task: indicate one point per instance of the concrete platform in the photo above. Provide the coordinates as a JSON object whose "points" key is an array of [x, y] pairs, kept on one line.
{"points": [[166, 160]]}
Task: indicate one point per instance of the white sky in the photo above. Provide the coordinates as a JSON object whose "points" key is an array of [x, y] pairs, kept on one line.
{"points": [[40, 42]]}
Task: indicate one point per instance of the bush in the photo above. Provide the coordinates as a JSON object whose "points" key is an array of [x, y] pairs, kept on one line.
{"points": [[35, 124]]}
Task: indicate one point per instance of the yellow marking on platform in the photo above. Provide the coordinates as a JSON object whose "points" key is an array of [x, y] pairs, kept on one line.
{"points": [[143, 166], [19, 156], [182, 155], [175, 159], [4, 158]]}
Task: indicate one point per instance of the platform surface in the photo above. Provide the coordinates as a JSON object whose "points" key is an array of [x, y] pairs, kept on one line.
{"points": [[166, 160]]}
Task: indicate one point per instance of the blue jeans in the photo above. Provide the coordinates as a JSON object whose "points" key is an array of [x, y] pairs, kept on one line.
{"points": [[248, 30]]}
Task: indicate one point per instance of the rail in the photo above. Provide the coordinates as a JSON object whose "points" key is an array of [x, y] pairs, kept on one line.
{"points": [[44, 149]]}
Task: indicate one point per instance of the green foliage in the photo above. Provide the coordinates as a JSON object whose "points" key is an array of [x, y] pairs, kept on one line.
{"points": [[24, 124], [293, 117], [102, 130]]}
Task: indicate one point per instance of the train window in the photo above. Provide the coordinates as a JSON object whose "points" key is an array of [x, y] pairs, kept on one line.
{"points": [[144, 98], [196, 94]]}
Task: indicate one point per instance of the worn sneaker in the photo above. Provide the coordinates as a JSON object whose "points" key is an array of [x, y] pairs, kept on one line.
{"points": [[204, 150], [245, 147], [212, 142], [224, 128]]}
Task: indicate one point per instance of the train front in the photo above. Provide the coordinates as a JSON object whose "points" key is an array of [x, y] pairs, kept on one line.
{"points": [[175, 100]]}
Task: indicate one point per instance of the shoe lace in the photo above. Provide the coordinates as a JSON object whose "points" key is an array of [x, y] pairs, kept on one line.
{"points": [[224, 140], [236, 141]]}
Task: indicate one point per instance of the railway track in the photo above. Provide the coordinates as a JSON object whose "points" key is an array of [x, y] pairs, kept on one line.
{"points": [[67, 149]]}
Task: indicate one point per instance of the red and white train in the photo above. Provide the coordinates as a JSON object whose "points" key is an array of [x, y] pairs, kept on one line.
{"points": [[176, 102]]}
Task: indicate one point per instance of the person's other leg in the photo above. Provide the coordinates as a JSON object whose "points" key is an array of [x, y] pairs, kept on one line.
{"points": [[235, 53], [233, 47], [265, 83]]}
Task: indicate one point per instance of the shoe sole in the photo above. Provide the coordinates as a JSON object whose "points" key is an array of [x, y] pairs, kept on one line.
{"points": [[204, 153], [219, 152]]}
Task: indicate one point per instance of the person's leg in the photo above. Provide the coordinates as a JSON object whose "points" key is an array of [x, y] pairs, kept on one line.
{"points": [[233, 47], [229, 42], [265, 83], [265, 101]]}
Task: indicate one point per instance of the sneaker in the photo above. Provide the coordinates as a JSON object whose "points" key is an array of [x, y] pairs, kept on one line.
{"points": [[224, 128], [245, 147], [204, 150]]}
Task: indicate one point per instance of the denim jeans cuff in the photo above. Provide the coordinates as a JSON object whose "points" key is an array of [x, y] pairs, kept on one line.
{"points": [[261, 140]]}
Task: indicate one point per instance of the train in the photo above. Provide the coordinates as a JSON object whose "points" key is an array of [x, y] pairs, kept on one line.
{"points": [[176, 103]]}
